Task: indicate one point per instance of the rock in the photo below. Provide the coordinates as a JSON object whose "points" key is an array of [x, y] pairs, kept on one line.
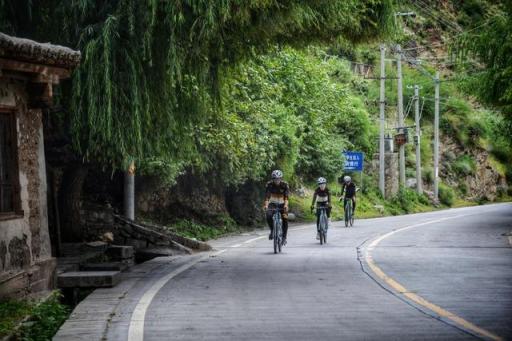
{"points": [[291, 216], [107, 237], [380, 208], [301, 192], [411, 183]]}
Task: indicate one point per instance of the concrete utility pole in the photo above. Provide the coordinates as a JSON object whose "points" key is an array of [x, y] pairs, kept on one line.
{"points": [[400, 112], [436, 137], [382, 106], [419, 186], [129, 192]]}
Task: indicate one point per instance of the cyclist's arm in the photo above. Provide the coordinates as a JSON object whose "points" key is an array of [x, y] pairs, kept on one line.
{"points": [[314, 199], [285, 196], [267, 198], [342, 191]]}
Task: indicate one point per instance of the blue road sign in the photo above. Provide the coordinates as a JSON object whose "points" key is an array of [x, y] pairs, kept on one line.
{"points": [[353, 161]]}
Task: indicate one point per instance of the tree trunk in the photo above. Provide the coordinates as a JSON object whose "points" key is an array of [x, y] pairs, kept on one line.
{"points": [[129, 192], [69, 202]]}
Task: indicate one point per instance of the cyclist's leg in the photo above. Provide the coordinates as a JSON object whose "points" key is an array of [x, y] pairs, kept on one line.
{"points": [[284, 216], [269, 214], [317, 219]]}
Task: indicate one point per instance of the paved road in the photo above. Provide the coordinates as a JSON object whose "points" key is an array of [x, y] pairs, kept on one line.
{"points": [[443, 275]]}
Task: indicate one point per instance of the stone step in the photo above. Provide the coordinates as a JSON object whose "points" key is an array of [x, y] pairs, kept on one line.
{"points": [[119, 252], [88, 279], [109, 266]]}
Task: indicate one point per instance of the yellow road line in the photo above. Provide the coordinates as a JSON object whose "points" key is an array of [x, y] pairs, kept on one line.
{"points": [[416, 298]]}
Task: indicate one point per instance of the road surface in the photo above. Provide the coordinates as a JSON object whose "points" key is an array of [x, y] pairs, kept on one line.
{"points": [[444, 275]]}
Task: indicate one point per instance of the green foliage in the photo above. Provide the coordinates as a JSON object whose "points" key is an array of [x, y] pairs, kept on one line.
{"points": [[288, 109], [44, 319], [407, 199], [153, 70], [490, 44], [464, 165], [11, 313], [192, 229], [446, 194]]}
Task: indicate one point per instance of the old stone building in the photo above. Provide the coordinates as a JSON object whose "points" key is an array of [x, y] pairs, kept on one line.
{"points": [[28, 73]]}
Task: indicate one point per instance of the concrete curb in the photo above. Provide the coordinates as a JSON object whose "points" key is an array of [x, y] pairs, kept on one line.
{"points": [[91, 318]]}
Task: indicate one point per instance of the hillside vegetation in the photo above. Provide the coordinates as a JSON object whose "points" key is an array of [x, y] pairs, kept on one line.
{"points": [[208, 97]]}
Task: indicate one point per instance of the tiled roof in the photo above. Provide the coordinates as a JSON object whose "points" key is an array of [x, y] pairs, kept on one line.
{"points": [[40, 53]]}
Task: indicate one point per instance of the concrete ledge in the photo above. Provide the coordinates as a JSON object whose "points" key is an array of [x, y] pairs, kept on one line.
{"points": [[119, 252], [88, 279], [111, 266]]}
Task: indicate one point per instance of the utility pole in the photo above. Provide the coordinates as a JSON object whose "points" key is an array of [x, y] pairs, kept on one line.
{"points": [[382, 107], [129, 192], [400, 112], [436, 137], [419, 186]]}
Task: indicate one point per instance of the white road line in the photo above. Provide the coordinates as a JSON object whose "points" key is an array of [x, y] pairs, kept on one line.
{"points": [[136, 328]]}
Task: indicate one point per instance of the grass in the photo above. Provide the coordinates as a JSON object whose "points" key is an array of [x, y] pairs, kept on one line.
{"points": [[194, 230], [370, 204], [11, 314], [39, 320]]}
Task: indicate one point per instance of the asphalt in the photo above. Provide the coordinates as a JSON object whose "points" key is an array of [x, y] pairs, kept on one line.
{"points": [[444, 275]]}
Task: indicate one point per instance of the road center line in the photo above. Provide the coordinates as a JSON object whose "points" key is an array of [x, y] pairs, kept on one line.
{"points": [[414, 297]]}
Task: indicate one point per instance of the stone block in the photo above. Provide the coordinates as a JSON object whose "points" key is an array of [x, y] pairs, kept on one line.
{"points": [[110, 266], [120, 252], [88, 279]]}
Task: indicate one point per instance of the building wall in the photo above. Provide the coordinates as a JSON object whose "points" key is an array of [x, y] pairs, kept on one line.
{"points": [[26, 264]]}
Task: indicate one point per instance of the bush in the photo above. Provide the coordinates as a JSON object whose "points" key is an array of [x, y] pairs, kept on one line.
{"points": [[428, 175], [407, 198], [464, 165], [446, 195]]}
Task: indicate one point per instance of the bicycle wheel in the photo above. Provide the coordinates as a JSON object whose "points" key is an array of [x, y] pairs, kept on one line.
{"points": [[324, 236], [276, 243], [347, 215], [352, 219], [323, 227]]}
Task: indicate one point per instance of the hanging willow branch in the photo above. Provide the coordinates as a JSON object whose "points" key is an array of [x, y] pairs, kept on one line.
{"points": [[150, 68]]}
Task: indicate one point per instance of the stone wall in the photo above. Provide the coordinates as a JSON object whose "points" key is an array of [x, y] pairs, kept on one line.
{"points": [[485, 181], [391, 176], [26, 263]]}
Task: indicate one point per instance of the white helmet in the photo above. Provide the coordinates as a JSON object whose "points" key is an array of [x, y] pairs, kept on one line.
{"points": [[347, 178], [321, 181], [277, 174]]}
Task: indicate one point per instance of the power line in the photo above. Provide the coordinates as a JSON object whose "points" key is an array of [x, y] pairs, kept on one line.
{"points": [[435, 15]]}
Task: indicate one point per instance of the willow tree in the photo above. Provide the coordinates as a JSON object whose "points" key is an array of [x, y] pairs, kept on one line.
{"points": [[489, 42], [150, 67]]}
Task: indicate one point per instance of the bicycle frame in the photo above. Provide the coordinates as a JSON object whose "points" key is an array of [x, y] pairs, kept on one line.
{"points": [[277, 229], [323, 223]]}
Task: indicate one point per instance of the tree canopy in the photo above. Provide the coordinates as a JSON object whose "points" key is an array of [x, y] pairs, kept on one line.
{"points": [[490, 42], [152, 70]]}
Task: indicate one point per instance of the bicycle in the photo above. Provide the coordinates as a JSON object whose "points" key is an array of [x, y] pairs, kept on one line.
{"points": [[277, 229], [323, 225], [349, 213]]}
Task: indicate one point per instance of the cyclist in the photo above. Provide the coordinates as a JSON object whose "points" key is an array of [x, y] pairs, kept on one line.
{"points": [[276, 196], [322, 198], [349, 188]]}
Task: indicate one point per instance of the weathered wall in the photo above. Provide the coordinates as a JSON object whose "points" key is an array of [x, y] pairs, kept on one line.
{"points": [[26, 264], [391, 181], [485, 181]]}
